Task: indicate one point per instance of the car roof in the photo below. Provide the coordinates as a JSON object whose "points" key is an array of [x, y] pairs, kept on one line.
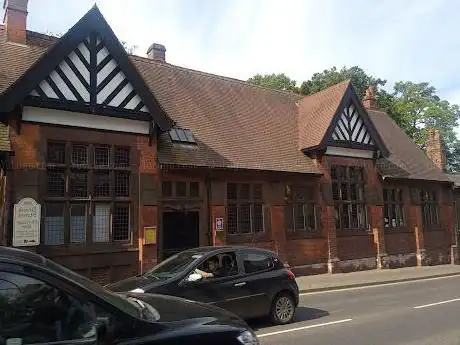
{"points": [[218, 249], [22, 256]]}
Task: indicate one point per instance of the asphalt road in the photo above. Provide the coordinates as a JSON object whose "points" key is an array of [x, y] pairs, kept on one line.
{"points": [[412, 313]]}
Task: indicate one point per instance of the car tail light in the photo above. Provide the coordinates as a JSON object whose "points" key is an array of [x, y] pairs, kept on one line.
{"points": [[291, 275]]}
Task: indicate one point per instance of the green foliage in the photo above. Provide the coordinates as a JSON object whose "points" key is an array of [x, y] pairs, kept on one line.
{"points": [[415, 107], [359, 78], [130, 49], [275, 81]]}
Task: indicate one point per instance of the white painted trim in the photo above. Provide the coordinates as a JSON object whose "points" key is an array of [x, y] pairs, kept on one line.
{"points": [[68, 118], [347, 152]]}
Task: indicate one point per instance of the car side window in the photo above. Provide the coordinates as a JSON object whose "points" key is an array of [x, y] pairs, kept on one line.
{"points": [[32, 312], [256, 262], [219, 266]]}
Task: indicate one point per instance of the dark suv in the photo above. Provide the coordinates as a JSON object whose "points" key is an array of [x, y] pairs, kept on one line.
{"points": [[250, 282], [42, 302]]}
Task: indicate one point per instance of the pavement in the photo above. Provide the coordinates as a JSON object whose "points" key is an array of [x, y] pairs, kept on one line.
{"points": [[336, 281], [410, 312]]}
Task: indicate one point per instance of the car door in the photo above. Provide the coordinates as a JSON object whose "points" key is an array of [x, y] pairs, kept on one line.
{"points": [[38, 312], [259, 277], [228, 292]]}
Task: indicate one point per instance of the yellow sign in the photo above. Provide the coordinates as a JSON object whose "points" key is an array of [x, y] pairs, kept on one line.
{"points": [[150, 235]]}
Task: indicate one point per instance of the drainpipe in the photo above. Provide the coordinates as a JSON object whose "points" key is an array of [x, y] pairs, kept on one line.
{"points": [[456, 224], [208, 208]]}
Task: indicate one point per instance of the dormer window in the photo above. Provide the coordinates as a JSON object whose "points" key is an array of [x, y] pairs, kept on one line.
{"points": [[182, 136]]}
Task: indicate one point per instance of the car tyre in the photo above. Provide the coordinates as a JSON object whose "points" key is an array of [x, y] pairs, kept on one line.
{"points": [[283, 309]]}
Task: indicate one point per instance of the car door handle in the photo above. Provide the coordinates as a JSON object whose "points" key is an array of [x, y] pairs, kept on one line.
{"points": [[239, 284]]}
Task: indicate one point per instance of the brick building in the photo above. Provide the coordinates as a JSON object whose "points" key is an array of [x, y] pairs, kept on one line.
{"points": [[113, 146]]}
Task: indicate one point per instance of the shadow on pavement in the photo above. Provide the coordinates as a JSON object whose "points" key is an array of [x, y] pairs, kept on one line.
{"points": [[302, 314]]}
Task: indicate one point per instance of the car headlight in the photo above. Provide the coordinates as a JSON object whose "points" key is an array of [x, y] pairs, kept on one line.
{"points": [[248, 338]]}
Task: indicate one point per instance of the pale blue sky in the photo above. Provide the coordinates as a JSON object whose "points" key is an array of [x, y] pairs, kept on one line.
{"points": [[393, 39]]}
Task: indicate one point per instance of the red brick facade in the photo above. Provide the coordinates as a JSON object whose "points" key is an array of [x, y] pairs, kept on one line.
{"points": [[246, 187]]}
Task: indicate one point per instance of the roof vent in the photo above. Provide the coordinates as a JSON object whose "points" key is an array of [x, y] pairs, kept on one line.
{"points": [[157, 52]]}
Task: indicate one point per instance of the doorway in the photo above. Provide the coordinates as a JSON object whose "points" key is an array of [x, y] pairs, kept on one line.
{"points": [[181, 231]]}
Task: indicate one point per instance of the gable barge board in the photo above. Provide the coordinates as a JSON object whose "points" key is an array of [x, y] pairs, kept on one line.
{"points": [[90, 24], [351, 97]]}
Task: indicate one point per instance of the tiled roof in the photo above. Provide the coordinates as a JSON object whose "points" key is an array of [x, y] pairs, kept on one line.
{"points": [[455, 178], [238, 125], [22, 57], [406, 159], [316, 112]]}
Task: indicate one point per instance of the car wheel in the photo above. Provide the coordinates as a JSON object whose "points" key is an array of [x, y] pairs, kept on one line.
{"points": [[283, 309]]}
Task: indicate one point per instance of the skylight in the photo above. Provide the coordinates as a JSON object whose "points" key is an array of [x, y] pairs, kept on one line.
{"points": [[183, 136]]}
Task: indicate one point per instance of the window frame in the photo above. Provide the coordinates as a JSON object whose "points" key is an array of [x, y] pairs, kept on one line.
{"points": [[347, 180], [252, 201], [430, 201], [90, 200], [291, 200], [398, 202], [173, 188], [217, 279]]}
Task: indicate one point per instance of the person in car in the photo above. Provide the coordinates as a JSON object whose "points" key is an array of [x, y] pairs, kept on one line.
{"points": [[214, 269]]}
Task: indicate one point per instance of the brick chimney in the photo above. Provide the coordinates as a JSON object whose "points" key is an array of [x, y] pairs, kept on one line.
{"points": [[369, 101], [15, 20], [157, 52], [435, 149]]}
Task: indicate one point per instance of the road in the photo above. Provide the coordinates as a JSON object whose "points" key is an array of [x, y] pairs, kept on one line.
{"points": [[413, 313]]}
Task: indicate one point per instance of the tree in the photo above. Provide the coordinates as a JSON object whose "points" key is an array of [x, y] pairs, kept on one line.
{"points": [[275, 81], [415, 107], [359, 78], [419, 108], [130, 49]]}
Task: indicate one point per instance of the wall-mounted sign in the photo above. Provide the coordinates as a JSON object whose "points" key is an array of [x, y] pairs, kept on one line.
{"points": [[26, 223], [150, 235], [219, 224]]}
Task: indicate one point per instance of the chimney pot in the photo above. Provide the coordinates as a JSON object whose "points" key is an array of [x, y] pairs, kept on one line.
{"points": [[15, 20], [157, 52]]}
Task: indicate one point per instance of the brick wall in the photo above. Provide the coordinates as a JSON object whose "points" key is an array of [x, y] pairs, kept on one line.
{"points": [[30, 146]]}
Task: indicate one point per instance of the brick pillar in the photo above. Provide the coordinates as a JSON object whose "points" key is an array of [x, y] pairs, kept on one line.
{"points": [[448, 220], [379, 236], [218, 210], [328, 220], [416, 220], [329, 230], [146, 185], [219, 237], [278, 230], [148, 251], [273, 194]]}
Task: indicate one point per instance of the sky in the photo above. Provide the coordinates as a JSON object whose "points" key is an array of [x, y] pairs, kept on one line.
{"points": [[414, 40]]}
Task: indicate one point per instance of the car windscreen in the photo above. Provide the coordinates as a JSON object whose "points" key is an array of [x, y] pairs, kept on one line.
{"points": [[113, 298], [175, 264]]}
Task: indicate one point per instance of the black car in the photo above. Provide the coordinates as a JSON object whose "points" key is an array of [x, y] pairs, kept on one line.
{"points": [[250, 282], [43, 302]]}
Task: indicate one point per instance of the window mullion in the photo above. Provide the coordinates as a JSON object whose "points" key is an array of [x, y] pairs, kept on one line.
{"points": [[251, 222], [304, 217]]}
